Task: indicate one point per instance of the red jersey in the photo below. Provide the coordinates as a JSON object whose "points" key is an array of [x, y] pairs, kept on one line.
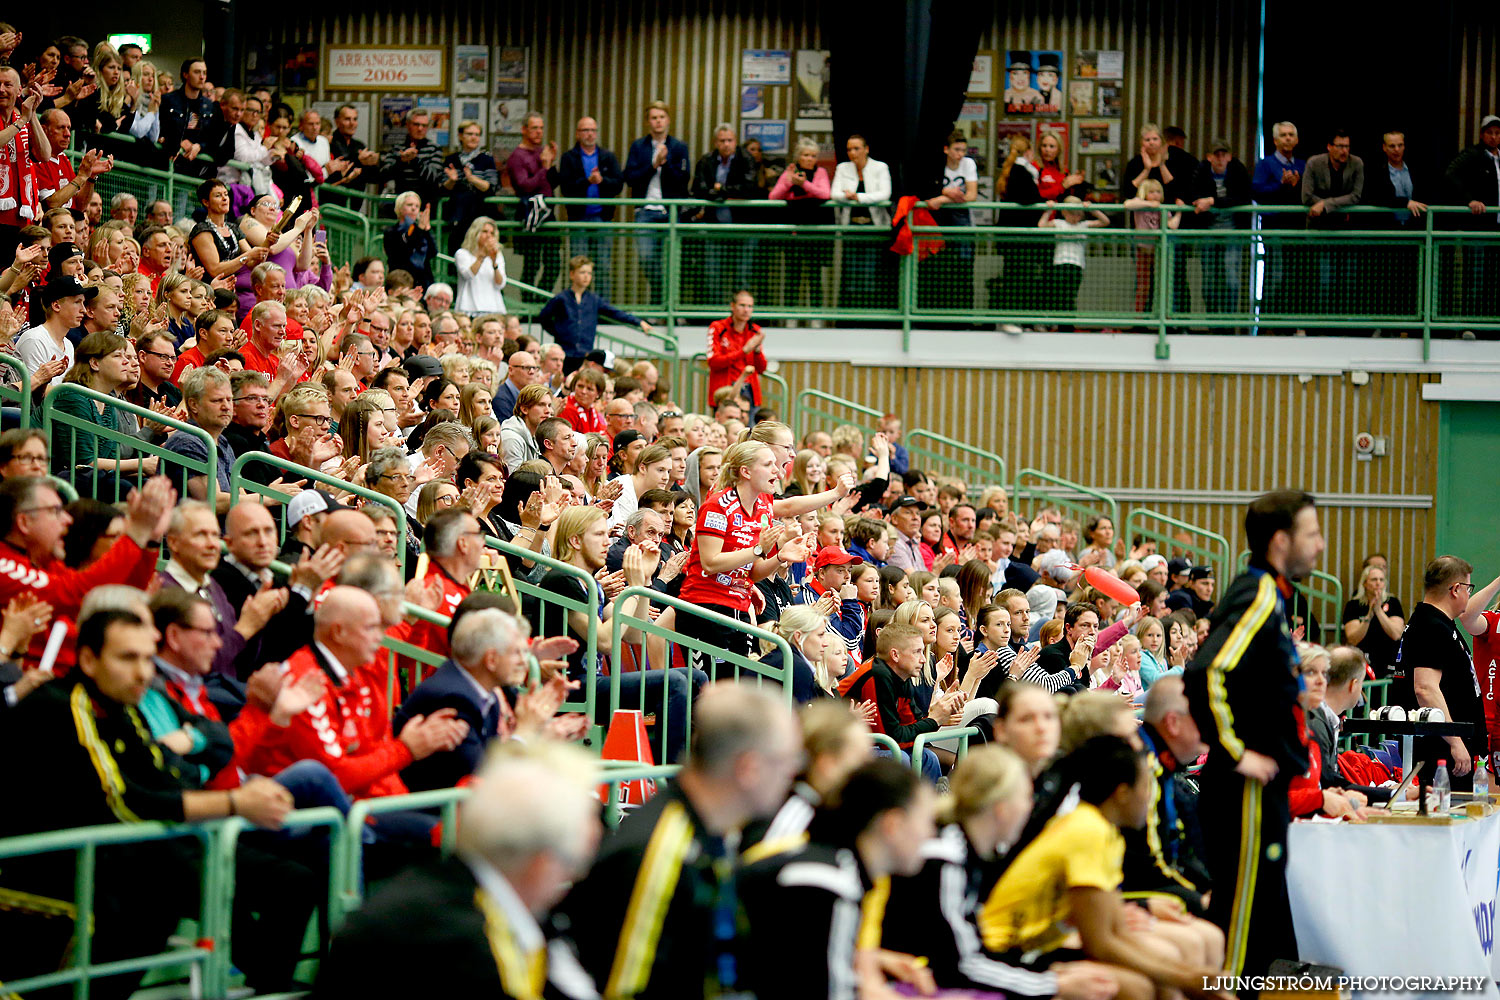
{"points": [[348, 730], [64, 588], [258, 361], [434, 638], [584, 421], [727, 357], [20, 202], [53, 176], [1486, 667], [190, 358], [293, 329], [723, 516]]}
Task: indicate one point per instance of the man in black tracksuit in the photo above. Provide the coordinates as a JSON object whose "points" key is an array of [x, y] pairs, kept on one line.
{"points": [[1242, 688]]}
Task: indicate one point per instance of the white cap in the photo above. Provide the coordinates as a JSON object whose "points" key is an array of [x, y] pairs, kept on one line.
{"points": [[1055, 564], [1152, 561], [306, 502]]}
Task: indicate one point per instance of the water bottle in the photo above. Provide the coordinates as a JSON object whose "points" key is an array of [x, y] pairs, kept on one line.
{"points": [[1482, 780], [1441, 797]]}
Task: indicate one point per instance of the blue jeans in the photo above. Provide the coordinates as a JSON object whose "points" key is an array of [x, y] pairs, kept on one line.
{"points": [[649, 250], [931, 769], [313, 785], [682, 686]]}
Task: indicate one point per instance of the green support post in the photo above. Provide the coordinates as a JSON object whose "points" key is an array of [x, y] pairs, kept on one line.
{"points": [[907, 296], [1428, 276], [1164, 289], [674, 269]]}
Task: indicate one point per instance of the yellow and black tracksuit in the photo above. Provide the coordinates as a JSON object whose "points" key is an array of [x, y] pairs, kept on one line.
{"points": [[1242, 688], [655, 916], [1163, 856]]}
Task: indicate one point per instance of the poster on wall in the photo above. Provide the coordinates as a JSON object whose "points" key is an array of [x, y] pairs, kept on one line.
{"points": [[974, 123], [506, 116], [1006, 128], [471, 109], [440, 114], [752, 102], [1109, 100], [512, 71], [471, 69], [1100, 64], [1060, 130], [1033, 82], [385, 67], [1081, 97], [1098, 135], [299, 67], [765, 66], [982, 75], [771, 133], [814, 108], [261, 65], [393, 112]]}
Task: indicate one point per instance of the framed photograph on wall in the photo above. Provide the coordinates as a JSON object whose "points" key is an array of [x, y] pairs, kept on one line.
{"points": [[814, 108], [471, 109], [471, 69], [261, 66]]}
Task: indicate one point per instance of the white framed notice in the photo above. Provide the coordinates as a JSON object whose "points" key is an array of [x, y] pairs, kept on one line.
{"points": [[385, 67]]}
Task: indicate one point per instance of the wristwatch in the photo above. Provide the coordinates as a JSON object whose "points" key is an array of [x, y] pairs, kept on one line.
{"points": [[759, 550]]}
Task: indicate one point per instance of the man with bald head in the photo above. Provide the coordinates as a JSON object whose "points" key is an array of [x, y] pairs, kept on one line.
{"points": [[588, 170], [745, 751], [349, 729], [523, 371], [250, 533], [348, 532]]}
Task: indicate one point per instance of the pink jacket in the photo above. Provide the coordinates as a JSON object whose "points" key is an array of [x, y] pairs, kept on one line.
{"points": [[818, 186]]}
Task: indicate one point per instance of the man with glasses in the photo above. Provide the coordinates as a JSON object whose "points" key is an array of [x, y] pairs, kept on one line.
{"points": [[389, 473], [417, 166], [523, 371], [252, 416], [619, 417], [377, 326], [1334, 180], [1434, 669], [366, 357], [308, 440], [588, 170], [455, 550], [32, 549], [158, 356]]}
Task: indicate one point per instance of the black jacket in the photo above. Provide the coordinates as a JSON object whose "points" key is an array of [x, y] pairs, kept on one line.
{"points": [[1161, 856], [740, 183], [1317, 725], [935, 912], [435, 911], [1380, 191], [803, 908], [447, 688], [1236, 188], [573, 181], [288, 630], [623, 904], [1471, 177], [1242, 685]]}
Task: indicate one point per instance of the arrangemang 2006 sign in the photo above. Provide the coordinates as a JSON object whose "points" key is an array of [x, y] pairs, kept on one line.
{"points": [[385, 67]]}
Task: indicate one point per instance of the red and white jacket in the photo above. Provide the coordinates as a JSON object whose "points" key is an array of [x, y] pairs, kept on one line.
{"points": [[248, 730], [348, 730], [64, 588], [20, 202]]}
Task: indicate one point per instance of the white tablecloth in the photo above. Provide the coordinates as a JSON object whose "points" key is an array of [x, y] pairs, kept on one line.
{"points": [[1397, 900]]}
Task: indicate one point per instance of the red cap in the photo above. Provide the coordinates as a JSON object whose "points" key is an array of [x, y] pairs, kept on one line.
{"points": [[832, 555]]}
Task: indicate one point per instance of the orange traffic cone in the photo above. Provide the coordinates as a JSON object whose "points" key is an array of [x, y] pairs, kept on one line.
{"points": [[626, 741]]}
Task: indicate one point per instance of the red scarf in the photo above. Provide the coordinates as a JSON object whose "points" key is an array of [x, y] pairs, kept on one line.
{"points": [[19, 204]]}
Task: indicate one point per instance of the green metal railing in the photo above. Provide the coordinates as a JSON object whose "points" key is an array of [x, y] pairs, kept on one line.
{"points": [[885, 742], [1376, 695], [623, 621], [1080, 501], [585, 700], [692, 389], [293, 471], [1207, 547], [85, 842], [352, 845], [945, 456], [86, 479], [1424, 279], [827, 419], [615, 776], [1325, 599], [17, 397], [924, 740]]}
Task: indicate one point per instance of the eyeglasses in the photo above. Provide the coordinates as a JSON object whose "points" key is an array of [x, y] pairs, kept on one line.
{"points": [[199, 628], [527, 368], [32, 457], [254, 400], [1468, 586], [447, 500], [670, 415], [320, 421], [56, 508], [159, 354], [397, 477]]}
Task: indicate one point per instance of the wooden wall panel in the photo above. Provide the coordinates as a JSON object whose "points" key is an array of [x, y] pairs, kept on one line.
{"points": [[1192, 446], [1189, 64]]}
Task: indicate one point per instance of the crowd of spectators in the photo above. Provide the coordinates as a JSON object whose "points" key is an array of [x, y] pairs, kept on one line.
{"points": [[223, 650]]}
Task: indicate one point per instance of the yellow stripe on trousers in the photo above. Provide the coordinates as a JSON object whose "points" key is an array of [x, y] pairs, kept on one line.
{"points": [[1244, 887]]}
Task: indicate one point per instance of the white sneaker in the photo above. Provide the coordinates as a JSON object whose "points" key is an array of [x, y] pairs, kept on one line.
{"points": [[1009, 328]]}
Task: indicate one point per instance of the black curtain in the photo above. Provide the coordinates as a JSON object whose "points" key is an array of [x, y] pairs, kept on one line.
{"points": [[899, 69], [1367, 75]]}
